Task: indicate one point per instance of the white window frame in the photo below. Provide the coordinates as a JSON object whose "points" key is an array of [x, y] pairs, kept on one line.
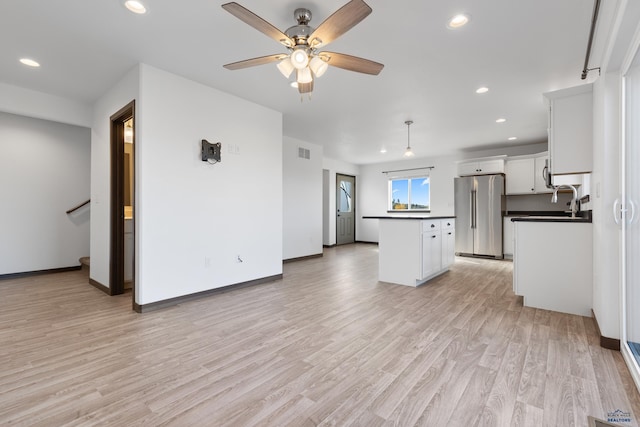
{"points": [[407, 178]]}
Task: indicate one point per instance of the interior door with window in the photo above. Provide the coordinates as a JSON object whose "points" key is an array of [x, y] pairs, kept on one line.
{"points": [[345, 209]]}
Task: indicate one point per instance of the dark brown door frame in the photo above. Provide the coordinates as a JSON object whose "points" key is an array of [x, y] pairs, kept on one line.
{"points": [[116, 258]]}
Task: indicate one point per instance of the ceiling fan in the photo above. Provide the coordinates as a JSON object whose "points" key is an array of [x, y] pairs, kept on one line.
{"points": [[303, 43]]}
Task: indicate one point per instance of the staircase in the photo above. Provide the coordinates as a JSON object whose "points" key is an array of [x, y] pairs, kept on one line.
{"points": [[85, 263]]}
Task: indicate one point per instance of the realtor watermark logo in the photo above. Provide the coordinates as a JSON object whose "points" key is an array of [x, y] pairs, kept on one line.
{"points": [[618, 416]]}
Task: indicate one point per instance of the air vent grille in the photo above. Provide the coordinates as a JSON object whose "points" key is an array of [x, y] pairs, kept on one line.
{"points": [[304, 153]]}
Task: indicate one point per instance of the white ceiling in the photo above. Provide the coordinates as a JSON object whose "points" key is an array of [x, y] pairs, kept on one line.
{"points": [[519, 49]]}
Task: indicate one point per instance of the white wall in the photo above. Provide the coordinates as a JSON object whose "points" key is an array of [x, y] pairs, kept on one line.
{"points": [[125, 91], [44, 171], [302, 198], [331, 167], [31, 103], [194, 219], [374, 184]]}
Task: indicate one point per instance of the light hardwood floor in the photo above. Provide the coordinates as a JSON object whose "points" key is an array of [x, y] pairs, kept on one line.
{"points": [[327, 345]]}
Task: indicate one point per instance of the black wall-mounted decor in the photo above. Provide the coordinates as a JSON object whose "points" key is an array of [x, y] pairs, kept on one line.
{"points": [[211, 151]]}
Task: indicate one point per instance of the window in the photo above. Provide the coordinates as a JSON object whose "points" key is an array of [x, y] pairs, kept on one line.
{"points": [[410, 194], [345, 196]]}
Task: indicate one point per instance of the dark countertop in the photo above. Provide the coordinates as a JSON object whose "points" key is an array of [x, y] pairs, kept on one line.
{"points": [[407, 217], [551, 219], [536, 213], [551, 216]]}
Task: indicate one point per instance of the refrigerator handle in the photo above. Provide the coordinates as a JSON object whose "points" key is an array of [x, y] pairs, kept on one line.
{"points": [[473, 208], [470, 209]]}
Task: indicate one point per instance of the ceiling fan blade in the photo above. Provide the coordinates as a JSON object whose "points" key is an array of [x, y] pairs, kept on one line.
{"points": [[255, 61], [352, 63], [305, 87], [342, 20], [248, 17]]}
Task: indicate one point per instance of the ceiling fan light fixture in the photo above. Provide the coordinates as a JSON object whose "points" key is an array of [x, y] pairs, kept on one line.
{"points": [[304, 76], [299, 58], [286, 67], [318, 66]]}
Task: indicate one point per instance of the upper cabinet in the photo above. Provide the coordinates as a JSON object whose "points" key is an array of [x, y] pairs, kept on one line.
{"points": [[483, 166], [540, 173], [525, 174], [520, 176], [571, 130]]}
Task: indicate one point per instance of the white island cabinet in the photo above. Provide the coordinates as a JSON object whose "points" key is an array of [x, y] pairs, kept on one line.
{"points": [[413, 250], [552, 264]]}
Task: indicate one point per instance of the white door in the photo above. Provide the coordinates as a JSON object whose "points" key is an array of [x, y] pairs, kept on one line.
{"points": [[345, 206], [630, 342]]}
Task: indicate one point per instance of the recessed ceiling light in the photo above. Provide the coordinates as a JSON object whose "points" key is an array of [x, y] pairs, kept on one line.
{"points": [[383, 150], [29, 62], [458, 21], [482, 89], [135, 6], [501, 120], [513, 138]]}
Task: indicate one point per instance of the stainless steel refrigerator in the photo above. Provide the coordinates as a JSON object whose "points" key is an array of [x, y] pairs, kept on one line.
{"points": [[479, 207]]}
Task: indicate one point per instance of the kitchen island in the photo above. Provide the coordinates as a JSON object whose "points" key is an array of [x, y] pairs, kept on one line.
{"points": [[552, 263], [414, 249]]}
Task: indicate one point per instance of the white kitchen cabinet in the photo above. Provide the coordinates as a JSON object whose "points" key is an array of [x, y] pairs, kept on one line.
{"points": [[507, 237], [484, 166], [412, 251], [524, 174], [571, 130], [552, 265], [520, 177], [448, 243], [431, 253], [540, 184]]}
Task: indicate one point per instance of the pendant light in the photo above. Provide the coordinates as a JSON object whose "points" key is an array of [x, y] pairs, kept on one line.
{"points": [[408, 152]]}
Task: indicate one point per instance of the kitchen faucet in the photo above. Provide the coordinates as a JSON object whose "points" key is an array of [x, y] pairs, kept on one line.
{"points": [[574, 199]]}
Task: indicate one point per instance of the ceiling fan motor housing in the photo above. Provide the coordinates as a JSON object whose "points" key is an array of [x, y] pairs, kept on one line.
{"points": [[301, 32]]}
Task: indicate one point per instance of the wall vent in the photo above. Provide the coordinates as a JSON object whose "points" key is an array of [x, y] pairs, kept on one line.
{"points": [[304, 153]]}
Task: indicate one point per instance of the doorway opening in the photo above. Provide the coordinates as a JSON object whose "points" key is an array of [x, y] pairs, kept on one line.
{"points": [[345, 209], [122, 248]]}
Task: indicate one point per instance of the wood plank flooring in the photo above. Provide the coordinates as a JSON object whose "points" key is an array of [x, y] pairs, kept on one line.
{"points": [[327, 345]]}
